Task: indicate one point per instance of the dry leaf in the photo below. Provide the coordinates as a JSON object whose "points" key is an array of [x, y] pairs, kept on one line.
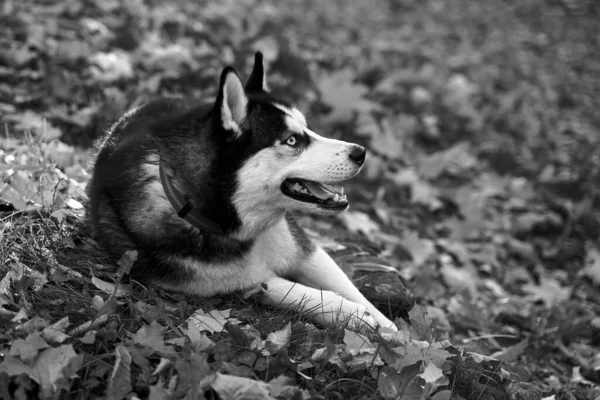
{"points": [[357, 221], [119, 290], [119, 383], [279, 339], [200, 342], [339, 92], [54, 368], [238, 388], [152, 336], [213, 321], [29, 348]]}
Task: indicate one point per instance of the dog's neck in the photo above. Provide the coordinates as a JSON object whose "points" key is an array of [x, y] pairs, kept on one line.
{"points": [[257, 222], [184, 208]]}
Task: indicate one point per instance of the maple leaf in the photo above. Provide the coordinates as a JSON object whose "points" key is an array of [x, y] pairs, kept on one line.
{"points": [[213, 321], [344, 96], [199, 340], [420, 249], [119, 383], [420, 351], [393, 384], [279, 339], [152, 336], [549, 291]]}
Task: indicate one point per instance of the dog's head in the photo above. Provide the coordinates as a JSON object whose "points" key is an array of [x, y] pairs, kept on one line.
{"points": [[285, 164]]}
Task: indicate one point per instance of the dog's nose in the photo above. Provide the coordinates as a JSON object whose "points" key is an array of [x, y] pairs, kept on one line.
{"points": [[358, 154]]}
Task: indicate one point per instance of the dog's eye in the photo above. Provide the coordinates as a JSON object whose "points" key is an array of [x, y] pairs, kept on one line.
{"points": [[292, 141]]}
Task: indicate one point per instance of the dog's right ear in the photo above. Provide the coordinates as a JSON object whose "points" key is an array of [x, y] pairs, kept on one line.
{"points": [[258, 80], [231, 104]]}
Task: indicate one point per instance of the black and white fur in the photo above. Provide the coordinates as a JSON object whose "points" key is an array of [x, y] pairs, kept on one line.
{"points": [[232, 159]]}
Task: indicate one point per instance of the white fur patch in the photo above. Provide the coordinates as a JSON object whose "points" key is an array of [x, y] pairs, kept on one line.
{"points": [[293, 113], [233, 109], [293, 124]]}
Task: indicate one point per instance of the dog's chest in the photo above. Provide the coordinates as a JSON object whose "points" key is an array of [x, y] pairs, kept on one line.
{"points": [[275, 250]]}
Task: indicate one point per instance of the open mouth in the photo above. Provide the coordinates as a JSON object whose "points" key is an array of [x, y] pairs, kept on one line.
{"points": [[327, 196]]}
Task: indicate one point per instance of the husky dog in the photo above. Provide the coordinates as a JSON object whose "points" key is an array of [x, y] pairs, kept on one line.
{"points": [[203, 193]]}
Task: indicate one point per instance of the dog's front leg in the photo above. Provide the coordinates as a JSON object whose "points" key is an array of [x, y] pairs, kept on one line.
{"points": [[324, 307], [321, 272]]}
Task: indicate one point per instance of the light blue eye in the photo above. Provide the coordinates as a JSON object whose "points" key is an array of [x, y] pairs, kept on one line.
{"points": [[291, 141]]}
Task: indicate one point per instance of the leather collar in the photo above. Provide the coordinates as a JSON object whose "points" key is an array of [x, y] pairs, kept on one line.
{"points": [[184, 208]]}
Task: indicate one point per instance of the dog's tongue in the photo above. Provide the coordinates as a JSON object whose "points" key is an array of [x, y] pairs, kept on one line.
{"points": [[320, 190]]}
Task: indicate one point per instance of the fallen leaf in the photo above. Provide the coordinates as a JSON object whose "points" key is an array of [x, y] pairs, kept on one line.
{"points": [[55, 333], [213, 321], [200, 342], [111, 67], [54, 368], [119, 290], [126, 262], [420, 323], [119, 383], [460, 279], [420, 249], [431, 373], [238, 388], [279, 339], [29, 348], [393, 384], [88, 338], [550, 292], [511, 353], [357, 343], [339, 92], [359, 222], [454, 161], [152, 336]]}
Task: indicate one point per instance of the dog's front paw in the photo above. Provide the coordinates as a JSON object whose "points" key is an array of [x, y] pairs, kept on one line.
{"points": [[335, 311]]}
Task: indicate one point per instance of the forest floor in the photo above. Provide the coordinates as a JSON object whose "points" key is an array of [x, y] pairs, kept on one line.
{"points": [[474, 223]]}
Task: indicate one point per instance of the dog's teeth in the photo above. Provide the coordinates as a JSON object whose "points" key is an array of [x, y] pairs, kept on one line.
{"points": [[342, 190], [336, 197]]}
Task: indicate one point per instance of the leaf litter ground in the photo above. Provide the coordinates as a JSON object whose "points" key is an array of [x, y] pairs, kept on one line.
{"points": [[474, 224]]}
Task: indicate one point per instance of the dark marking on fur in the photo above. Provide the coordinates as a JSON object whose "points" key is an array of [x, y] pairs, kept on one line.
{"points": [[306, 246]]}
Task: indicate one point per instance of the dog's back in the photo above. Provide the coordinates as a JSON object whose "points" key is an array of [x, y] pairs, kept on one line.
{"points": [[125, 202]]}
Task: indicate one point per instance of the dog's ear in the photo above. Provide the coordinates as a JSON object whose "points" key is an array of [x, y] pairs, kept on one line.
{"points": [[231, 103], [258, 80]]}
